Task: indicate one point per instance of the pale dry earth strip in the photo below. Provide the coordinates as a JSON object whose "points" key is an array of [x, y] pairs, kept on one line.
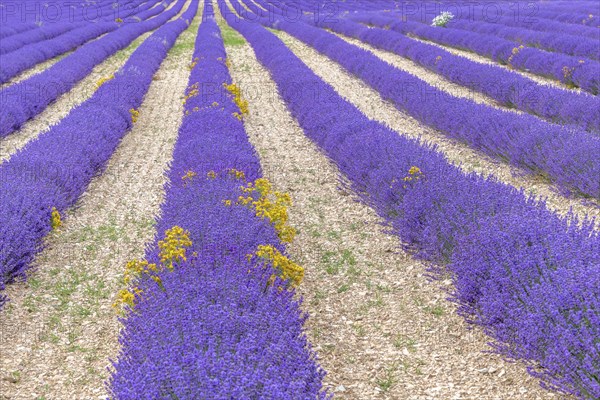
{"points": [[382, 330], [375, 107], [63, 105], [59, 329], [36, 69], [48, 63], [427, 76], [484, 60]]}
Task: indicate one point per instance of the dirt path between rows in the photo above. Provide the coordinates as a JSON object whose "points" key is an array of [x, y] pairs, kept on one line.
{"points": [[59, 330], [484, 60], [382, 330], [61, 107], [372, 105]]}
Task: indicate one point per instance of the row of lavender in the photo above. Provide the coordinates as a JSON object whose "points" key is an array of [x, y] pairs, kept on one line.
{"points": [[34, 13], [49, 31], [20, 17], [213, 323], [567, 44], [567, 157], [26, 99], [35, 53], [579, 18], [572, 71], [527, 276], [584, 43], [506, 87], [54, 170]]}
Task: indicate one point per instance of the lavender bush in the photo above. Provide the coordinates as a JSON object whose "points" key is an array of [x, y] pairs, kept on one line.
{"points": [[518, 268], [56, 168], [563, 68], [218, 330], [24, 100]]}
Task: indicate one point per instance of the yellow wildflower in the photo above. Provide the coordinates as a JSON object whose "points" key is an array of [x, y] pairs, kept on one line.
{"points": [[135, 114], [271, 205], [55, 220], [173, 247], [188, 176], [103, 80], [239, 101], [287, 268]]}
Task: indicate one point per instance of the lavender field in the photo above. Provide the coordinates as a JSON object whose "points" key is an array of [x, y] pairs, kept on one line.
{"points": [[303, 199]]}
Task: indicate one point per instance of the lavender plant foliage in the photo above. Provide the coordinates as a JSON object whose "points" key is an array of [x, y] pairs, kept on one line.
{"points": [[566, 156], [55, 169], [535, 16], [24, 100], [555, 42], [217, 330], [546, 25], [508, 88], [8, 30], [15, 62], [563, 68], [56, 28], [17, 41], [518, 268]]}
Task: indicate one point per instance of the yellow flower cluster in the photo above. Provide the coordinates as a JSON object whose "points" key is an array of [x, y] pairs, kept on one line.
{"points": [[118, 20], [188, 176], [55, 220], [237, 174], [270, 204], [225, 61], [172, 249], [515, 51], [135, 114], [288, 269], [193, 63], [103, 80], [239, 101], [192, 91], [438, 59], [585, 21], [414, 174]]}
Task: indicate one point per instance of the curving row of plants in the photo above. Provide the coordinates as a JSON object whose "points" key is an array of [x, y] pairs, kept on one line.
{"points": [[30, 55], [555, 42], [506, 87], [51, 172], [211, 313], [56, 28], [572, 71], [527, 276], [26, 99], [565, 156]]}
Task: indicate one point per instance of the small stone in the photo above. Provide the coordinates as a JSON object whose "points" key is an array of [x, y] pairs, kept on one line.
{"points": [[340, 388]]}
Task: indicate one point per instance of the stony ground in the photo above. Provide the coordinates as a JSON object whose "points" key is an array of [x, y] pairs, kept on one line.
{"points": [[59, 330], [381, 328]]}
